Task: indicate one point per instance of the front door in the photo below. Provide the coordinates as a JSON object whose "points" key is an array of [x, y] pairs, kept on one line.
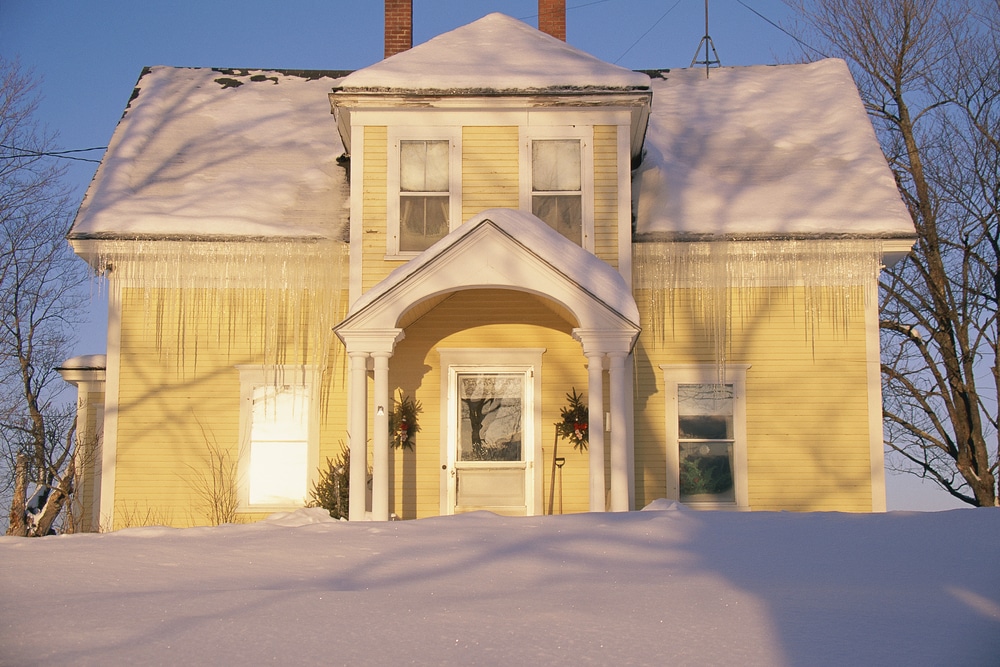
{"points": [[490, 440]]}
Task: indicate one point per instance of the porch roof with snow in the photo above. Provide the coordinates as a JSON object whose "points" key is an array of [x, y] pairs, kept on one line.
{"points": [[508, 249]]}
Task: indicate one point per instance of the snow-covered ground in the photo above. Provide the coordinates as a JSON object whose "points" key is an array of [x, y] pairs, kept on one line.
{"points": [[666, 586]]}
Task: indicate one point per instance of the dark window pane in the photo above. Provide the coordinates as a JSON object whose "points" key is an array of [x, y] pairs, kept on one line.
{"points": [[707, 471]]}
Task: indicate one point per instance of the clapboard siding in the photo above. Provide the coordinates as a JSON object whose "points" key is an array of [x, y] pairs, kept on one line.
{"points": [[806, 401], [489, 169], [606, 193], [179, 400], [374, 193]]}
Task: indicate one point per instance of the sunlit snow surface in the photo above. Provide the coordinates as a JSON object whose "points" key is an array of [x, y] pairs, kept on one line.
{"points": [[197, 155], [495, 53], [766, 150], [660, 587]]}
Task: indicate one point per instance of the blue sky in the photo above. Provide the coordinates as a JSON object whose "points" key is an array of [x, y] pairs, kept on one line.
{"points": [[88, 55]]}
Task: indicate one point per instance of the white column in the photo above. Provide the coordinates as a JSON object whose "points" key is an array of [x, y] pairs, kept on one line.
{"points": [[619, 433], [380, 439], [595, 427], [358, 433]]}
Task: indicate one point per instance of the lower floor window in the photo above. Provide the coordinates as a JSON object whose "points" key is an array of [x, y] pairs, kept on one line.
{"points": [[278, 439], [706, 435], [705, 441]]}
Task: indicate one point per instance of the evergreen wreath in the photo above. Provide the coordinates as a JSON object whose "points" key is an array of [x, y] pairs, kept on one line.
{"points": [[403, 426], [574, 425]]}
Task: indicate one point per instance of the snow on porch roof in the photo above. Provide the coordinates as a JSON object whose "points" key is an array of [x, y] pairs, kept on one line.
{"points": [[764, 151], [221, 153], [589, 274], [497, 53]]}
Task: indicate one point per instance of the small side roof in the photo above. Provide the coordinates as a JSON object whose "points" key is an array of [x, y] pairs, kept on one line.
{"points": [[209, 153], [498, 54], [764, 151]]}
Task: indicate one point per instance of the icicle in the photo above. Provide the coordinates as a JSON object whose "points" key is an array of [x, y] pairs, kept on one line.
{"points": [[281, 298], [837, 279]]}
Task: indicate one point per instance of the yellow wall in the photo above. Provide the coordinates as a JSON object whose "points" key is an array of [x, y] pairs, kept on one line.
{"points": [[88, 453], [806, 403], [374, 233], [179, 400], [489, 169], [606, 193]]}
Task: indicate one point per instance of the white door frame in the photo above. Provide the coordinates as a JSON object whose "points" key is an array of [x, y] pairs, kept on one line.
{"points": [[457, 360]]}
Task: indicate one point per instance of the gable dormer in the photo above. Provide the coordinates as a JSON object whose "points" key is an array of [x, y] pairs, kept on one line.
{"points": [[494, 114]]}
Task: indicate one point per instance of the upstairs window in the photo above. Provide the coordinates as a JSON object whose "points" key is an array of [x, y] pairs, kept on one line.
{"points": [[424, 197], [423, 193], [557, 185]]}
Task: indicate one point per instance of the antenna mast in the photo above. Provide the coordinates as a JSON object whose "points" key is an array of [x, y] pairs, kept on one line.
{"points": [[706, 41]]}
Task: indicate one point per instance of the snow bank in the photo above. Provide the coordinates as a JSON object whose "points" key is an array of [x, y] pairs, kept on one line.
{"points": [[653, 587]]}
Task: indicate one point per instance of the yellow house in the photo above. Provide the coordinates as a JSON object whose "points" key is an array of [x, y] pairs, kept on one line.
{"points": [[587, 287]]}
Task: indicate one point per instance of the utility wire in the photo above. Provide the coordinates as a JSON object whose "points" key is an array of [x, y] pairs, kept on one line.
{"points": [[649, 30], [808, 46], [65, 155], [568, 9]]}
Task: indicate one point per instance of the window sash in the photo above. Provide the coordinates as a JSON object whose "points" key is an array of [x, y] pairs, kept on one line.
{"points": [[421, 210], [278, 436], [423, 165], [557, 185]]}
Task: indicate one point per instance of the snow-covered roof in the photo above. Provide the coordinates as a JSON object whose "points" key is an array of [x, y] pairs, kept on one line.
{"points": [[85, 362], [209, 153], [768, 150], [749, 151], [497, 53], [565, 261]]}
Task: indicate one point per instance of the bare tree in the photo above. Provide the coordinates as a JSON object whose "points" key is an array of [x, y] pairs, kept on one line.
{"points": [[39, 304], [929, 74]]}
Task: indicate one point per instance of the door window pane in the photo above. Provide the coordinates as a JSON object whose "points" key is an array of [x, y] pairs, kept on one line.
{"points": [[705, 429], [491, 406]]}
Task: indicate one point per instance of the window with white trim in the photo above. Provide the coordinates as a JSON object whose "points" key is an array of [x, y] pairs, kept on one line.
{"points": [[560, 182], [557, 185], [706, 436], [278, 435], [424, 200]]}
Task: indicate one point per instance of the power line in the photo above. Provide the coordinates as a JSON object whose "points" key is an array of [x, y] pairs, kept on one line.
{"points": [[649, 30], [808, 46], [568, 9], [65, 155]]}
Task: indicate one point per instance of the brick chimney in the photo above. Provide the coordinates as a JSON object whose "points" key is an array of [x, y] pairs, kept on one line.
{"points": [[398, 26], [552, 18]]}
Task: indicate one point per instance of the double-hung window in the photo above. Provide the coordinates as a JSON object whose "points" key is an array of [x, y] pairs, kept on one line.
{"points": [[423, 201], [559, 186], [278, 438], [706, 436]]}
